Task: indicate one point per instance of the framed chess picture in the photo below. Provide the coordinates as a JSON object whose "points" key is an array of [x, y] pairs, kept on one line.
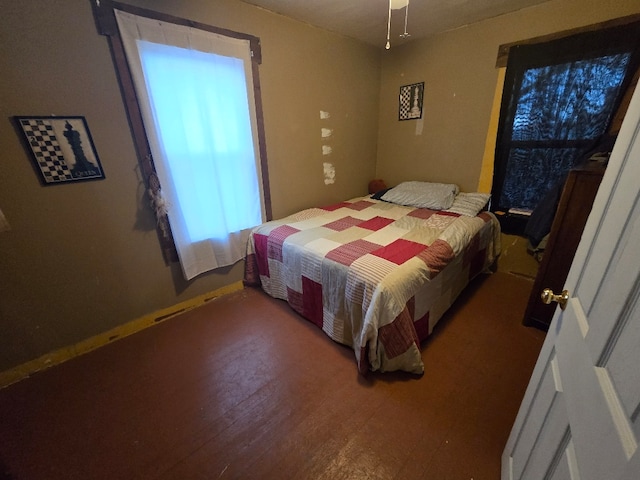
{"points": [[411, 101], [61, 148]]}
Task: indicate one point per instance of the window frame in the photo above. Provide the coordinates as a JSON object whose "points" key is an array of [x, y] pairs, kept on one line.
{"points": [[593, 37], [106, 25]]}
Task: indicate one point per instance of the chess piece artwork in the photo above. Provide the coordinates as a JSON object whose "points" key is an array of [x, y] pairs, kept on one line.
{"points": [[415, 111], [82, 166], [56, 160], [411, 99]]}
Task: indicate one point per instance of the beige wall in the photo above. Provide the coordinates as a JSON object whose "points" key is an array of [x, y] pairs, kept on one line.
{"points": [[83, 258], [458, 68]]}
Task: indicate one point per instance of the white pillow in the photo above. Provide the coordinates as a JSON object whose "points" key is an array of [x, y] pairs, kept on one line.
{"points": [[469, 204], [436, 196]]}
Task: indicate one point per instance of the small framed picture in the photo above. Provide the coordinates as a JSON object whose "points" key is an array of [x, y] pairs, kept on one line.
{"points": [[411, 101], [61, 148]]}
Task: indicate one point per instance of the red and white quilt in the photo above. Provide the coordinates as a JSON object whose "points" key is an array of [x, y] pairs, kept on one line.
{"points": [[373, 275]]}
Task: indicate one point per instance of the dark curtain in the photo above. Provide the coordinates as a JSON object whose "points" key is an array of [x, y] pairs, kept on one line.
{"points": [[559, 100]]}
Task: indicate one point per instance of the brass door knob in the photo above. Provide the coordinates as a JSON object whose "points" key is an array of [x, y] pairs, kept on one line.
{"points": [[548, 296]]}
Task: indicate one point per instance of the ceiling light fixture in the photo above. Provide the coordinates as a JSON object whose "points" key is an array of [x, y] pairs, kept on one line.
{"points": [[397, 5]]}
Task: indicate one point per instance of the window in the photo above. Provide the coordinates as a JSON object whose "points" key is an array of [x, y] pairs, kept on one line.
{"points": [[558, 102], [197, 105]]}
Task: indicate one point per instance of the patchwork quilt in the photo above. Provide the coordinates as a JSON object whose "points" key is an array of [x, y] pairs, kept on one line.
{"points": [[373, 275]]}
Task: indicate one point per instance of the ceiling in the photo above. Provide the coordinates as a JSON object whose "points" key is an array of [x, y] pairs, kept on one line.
{"points": [[366, 20]]}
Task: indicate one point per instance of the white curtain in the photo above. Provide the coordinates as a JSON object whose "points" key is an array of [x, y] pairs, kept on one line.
{"points": [[195, 92]]}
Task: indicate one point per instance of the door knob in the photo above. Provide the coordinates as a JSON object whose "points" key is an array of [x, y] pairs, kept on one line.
{"points": [[548, 296]]}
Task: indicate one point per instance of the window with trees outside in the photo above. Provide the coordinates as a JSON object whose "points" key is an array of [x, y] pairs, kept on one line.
{"points": [[558, 103]]}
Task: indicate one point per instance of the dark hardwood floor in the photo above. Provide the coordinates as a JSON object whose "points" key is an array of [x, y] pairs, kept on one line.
{"points": [[245, 388]]}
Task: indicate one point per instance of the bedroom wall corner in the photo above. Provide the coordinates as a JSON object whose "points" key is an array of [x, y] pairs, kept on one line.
{"points": [[458, 68], [82, 259]]}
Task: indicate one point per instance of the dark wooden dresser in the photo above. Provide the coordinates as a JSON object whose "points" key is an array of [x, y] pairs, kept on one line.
{"points": [[574, 207]]}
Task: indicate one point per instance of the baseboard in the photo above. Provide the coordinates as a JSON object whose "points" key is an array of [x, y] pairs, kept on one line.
{"points": [[61, 355]]}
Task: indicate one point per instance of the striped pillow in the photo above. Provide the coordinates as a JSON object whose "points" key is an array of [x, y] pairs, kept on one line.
{"points": [[469, 204], [435, 196]]}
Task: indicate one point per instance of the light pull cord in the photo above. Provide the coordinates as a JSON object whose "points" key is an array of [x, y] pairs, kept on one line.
{"points": [[406, 16], [388, 45]]}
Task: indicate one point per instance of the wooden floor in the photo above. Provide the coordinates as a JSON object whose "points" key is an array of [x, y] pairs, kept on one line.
{"points": [[244, 388]]}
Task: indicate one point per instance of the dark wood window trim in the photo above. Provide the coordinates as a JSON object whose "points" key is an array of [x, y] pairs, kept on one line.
{"points": [[503, 50], [103, 11]]}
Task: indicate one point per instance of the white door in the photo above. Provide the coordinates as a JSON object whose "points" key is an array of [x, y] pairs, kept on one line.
{"points": [[580, 417]]}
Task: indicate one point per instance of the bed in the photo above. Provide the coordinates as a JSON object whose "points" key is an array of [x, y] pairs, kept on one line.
{"points": [[376, 273]]}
